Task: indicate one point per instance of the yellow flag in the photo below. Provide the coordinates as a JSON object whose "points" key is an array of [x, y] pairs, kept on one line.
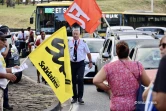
{"points": [[52, 60]]}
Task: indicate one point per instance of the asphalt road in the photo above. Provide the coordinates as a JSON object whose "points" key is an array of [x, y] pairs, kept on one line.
{"points": [[94, 101]]}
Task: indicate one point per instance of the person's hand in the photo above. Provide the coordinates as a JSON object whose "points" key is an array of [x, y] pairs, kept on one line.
{"points": [[6, 44], [17, 67], [11, 77], [90, 65]]}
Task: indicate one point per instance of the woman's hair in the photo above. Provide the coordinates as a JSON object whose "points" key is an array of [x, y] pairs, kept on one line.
{"points": [[164, 37], [122, 49]]}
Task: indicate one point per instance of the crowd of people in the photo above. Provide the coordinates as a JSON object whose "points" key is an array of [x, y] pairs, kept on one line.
{"points": [[119, 74]]}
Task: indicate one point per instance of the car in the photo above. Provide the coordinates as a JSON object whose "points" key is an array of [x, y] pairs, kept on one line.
{"points": [[94, 45], [15, 58], [148, 54], [108, 51], [159, 32]]}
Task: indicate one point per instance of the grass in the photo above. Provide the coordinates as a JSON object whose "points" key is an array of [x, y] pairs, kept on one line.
{"points": [[19, 16]]}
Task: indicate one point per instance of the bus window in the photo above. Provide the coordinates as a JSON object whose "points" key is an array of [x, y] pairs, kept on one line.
{"points": [[51, 18]]}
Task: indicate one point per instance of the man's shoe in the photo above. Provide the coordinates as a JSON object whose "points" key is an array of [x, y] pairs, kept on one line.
{"points": [[8, 108], [80, 101], [73, 101]]}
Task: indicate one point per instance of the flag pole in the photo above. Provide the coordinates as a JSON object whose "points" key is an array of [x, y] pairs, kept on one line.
{"points": [[108, 25]]}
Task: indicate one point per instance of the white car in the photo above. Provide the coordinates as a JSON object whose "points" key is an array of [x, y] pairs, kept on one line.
{"points": [[94, 45], [159, 32]]}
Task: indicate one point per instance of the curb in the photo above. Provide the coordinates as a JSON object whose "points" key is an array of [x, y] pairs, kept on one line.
{"points": [[67, 106]]}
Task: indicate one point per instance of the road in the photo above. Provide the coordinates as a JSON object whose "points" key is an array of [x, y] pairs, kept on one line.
{"points": [[94, 101]]}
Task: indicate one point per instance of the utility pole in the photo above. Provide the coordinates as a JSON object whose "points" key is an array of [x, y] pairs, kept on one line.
{"points": [[152, 5]]}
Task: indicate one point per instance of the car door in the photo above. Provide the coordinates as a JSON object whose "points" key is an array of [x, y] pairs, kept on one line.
{"points": [[106, 50]]}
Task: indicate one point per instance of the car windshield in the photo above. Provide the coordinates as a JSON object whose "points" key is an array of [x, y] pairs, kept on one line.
{"points": [[149, 57], [94, 46]]}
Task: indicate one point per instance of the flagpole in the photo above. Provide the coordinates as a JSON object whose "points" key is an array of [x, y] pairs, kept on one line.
{"points": [[107, 25]]}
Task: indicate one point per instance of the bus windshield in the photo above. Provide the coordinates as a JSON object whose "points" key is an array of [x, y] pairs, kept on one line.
{"points": [[50, 19]]}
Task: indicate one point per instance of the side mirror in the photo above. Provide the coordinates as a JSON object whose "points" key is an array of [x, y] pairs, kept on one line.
{"points": [[105, 55], [31, 20]]}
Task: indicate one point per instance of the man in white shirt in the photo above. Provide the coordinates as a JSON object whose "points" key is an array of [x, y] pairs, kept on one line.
{"points": [[5, 73], [78, 50]]}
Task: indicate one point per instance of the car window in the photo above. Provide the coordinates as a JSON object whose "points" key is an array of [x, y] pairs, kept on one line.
{"points": [[94, 46], [149, 57]]}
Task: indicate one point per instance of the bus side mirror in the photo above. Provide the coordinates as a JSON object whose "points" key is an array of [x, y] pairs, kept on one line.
{"points": [[31, 20]]}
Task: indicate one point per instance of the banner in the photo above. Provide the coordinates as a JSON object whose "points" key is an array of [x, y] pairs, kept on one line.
{"points": [[51, 58], [86, 13]]}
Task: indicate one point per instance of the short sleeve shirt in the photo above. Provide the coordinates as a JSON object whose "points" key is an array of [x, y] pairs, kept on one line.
{"points": [[3, 82], [82, 50], [160, 81]]}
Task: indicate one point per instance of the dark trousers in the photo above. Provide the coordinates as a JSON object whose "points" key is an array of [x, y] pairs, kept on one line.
{"points": [[5, 97], [21, 47], [77, 69]]}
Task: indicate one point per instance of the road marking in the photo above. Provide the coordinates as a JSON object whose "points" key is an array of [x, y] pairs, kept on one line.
{"points": [[74, 107]]}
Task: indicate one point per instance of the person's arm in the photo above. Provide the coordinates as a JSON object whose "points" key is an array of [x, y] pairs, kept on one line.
{"points": [[90, 60], [159, 90], [5, 52], [99, 78], [145, 79], [145, 93], [9, 70], [8, 76]]}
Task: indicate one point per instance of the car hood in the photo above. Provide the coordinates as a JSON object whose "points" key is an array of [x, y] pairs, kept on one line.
{"points": [[94, 57], [151, 73]]}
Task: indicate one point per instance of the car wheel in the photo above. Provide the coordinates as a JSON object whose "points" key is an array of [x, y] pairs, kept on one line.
{"points": [[99, 90], [19, 76]]}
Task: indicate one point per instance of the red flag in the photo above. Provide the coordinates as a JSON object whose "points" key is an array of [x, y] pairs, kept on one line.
{"points": [[84, 12]]}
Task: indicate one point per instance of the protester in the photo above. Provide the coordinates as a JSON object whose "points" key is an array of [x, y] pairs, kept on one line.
{"points": [[159, 89], [37, 43], [30, 38], [5, 74], [122, 77], [22, 37], [78, 50], [6, 53]]}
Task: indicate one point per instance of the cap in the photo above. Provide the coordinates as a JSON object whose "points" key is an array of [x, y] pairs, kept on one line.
{"points": [[4, 29], [4, 36]]}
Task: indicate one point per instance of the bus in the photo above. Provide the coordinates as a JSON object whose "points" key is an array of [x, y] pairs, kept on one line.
{"points": [[49, 17], [133, 19]]}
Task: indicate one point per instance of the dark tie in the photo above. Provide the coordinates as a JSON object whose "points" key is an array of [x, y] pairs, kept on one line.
{"points": [[75, 51]]}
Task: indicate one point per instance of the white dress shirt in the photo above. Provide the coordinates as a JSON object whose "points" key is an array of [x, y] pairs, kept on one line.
{"points": [[82, 50]]}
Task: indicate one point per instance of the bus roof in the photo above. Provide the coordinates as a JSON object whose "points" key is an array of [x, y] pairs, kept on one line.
{"points": [[56, 3], [135, 13]]}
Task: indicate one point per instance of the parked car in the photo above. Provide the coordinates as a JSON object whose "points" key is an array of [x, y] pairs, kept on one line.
{"points": [[148, 54], [94, 45], [108, 51], [159, 32]]}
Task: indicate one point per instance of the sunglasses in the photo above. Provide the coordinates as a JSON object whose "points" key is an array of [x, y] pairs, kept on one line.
{"points": [[163, 45]]}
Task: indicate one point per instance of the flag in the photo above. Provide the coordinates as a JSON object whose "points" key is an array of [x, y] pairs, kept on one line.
{"points": [[86, 13], [51, 58], [149, 104]]}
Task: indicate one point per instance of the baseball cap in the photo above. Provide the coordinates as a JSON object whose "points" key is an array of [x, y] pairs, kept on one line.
{"points": [[3, 36], [4, 29]]}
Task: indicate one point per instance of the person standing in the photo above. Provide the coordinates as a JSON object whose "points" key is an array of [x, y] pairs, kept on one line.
{"points": [[37, 43], [78, 50], [119, 75], [158, 87], [22, 37], [30, 38], [5, 73]]}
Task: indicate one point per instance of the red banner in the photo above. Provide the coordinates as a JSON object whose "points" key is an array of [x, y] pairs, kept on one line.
{"points": [[86, 13]]}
